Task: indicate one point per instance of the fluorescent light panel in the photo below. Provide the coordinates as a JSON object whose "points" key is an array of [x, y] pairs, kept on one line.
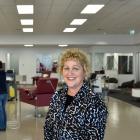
{"points": [[25, 9], [78, 21], [29, 45], [69, 29], [92, 9], [27, 29], [26, 21], [63, 45]]}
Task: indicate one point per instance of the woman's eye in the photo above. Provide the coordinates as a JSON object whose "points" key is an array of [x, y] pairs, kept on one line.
{"points": [[66, 68], [75, 68], [72, 69]]}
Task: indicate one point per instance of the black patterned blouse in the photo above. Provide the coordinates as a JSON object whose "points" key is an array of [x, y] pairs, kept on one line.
{"points": [[84, 119]]}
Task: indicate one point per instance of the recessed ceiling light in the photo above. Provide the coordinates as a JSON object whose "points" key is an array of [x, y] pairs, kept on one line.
{"points": [[26, 21], [29, 45], [25, 9], [91, 9], [63, 45], [78, 21], [27, 29], [69, 29]]}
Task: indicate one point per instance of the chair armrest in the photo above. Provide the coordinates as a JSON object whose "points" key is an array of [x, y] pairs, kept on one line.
{"points": [[28, 92]]}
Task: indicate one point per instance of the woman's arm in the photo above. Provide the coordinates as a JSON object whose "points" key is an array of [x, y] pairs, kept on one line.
{"points": [[96, 119], [48, 127]]}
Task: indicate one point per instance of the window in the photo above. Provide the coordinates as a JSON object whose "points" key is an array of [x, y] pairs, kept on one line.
{"points": [[110, 62], [125, 64]]}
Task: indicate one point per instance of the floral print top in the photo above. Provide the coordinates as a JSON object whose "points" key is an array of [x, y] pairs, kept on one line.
{"points": [[84, 119]]}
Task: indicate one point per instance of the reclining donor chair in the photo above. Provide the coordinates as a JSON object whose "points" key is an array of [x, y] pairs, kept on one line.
{"points": [[40, 95]]}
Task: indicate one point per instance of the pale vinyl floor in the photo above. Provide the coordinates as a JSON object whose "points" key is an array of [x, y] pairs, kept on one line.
{"points": [[123, 122]]}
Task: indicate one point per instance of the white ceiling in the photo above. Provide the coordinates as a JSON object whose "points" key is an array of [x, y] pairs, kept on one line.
{"points": [[52, 16]]}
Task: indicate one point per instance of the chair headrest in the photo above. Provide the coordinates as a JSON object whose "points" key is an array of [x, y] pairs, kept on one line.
{"points": [[47, 85]]}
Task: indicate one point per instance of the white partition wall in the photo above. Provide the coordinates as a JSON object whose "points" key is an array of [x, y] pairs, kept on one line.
{"points": [[27, 58], [27, 65]]}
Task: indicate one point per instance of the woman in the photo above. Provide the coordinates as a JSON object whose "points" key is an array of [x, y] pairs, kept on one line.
{"points": [[75, 112]]}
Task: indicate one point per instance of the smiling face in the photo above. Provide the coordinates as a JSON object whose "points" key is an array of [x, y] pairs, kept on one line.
{"points": [[73, 74]]}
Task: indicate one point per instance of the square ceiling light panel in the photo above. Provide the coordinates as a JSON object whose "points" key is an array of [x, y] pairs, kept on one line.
{"points": [[27, 29], [69, 29], [91, 9], [26, 21], [78, 21], [25, 9]]}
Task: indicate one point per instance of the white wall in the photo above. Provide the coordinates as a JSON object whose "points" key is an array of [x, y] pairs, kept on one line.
{"points": [[120, 49], [27, 56], [27, 64], [98, 61], [3, 53], [125, 77]]}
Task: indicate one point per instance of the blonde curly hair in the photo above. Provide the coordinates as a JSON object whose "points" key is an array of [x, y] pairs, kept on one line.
{"points": [[75, 54]]}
